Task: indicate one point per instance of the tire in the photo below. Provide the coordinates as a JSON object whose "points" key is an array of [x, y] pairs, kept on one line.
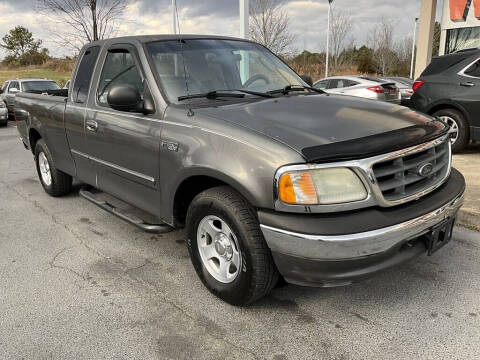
{"points": [[4, 124], [257, 274], [452, 115], [60, 184]]}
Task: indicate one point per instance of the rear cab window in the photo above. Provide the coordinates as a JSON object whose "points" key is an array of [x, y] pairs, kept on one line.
{"points": [[84, 75]]}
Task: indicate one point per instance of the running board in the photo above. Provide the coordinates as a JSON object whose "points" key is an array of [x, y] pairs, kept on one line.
{"points": [[87, 193]]}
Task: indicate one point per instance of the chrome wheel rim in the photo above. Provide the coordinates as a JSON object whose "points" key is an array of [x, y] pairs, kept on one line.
{"points": [[218, 248], [44, 169], [453, 128]]}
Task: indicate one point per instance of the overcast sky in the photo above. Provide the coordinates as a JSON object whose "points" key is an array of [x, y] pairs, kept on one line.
{"points": [[220, 17]]}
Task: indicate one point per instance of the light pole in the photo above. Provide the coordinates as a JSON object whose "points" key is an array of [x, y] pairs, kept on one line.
{"points": [[413, 47], [328, 37], [174, 16]]}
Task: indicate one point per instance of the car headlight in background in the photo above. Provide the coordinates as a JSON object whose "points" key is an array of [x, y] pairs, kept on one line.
{"points": [[320, 187]]}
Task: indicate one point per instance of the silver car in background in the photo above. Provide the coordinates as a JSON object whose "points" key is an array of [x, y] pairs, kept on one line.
{"points": [[359, 86], [405, 86]]}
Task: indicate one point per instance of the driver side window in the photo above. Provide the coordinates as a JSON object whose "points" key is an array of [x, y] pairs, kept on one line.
{"points": [[13, 85], [119, 69]]}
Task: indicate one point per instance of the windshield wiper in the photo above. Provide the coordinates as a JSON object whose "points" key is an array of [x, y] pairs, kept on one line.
{"points": [[257, 93], [289, 88], [212, 95]]}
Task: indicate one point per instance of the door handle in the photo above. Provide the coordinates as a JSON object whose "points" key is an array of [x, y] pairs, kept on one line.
{"points": [[92, 125], [467, 84]]}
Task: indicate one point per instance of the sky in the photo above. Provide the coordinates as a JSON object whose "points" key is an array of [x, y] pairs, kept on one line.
{"points": [[308, 19]]}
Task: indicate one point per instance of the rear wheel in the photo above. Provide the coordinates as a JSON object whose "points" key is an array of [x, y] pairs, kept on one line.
{"points": [[227, 247], [459, 130], [55, 182]]}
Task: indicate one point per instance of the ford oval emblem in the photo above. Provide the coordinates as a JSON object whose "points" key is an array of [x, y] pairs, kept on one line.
{"points": [[425, 169]]}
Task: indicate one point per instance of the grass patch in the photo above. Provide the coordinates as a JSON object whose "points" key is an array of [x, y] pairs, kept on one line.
{"points": [[60, 76]]}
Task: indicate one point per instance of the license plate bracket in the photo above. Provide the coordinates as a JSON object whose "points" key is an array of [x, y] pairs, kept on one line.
{"points": [[439, 235]]}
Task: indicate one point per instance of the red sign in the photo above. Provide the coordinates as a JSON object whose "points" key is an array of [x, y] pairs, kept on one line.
{"points": [[459, 9]]}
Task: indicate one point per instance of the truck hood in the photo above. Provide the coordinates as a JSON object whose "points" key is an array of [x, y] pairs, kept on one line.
{"points": [[329, 127]]}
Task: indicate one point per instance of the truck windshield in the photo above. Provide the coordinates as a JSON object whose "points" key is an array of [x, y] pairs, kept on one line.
{"points": [[39, 86], [217, 65]]}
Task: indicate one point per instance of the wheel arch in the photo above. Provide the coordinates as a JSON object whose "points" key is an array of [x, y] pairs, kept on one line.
{"points": [[449, 105], [193, 184], [33, 137]]}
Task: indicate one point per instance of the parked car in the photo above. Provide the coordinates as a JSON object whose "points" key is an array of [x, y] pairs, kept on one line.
{"points": [[405, 87], [3, 114], [364, 87], [449, 88], [12, 87], [269, 176]]}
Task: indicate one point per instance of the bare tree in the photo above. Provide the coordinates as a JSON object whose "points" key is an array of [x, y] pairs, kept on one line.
{"points": [[269, 25], [76, 22], [381, 41], [340, 38]]}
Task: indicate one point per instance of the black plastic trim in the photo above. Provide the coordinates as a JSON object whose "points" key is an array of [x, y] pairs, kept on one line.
{"points": [[378, 144]]}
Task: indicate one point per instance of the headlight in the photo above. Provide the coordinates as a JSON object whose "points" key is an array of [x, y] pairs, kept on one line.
{"points": [[320, 187], [2, 104]]}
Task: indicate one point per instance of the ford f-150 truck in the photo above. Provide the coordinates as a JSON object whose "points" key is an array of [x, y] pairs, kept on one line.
{"points": [[269, 176]]}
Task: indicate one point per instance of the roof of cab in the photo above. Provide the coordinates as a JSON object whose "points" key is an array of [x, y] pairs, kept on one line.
{"points": [[151, 38], [29, 79]]}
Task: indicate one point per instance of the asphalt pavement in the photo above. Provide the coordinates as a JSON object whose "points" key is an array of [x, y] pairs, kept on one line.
{"points": [[79, 283]]}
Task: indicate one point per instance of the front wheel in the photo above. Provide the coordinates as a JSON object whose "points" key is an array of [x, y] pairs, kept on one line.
{"points": [[227, 247], [55, 182]]}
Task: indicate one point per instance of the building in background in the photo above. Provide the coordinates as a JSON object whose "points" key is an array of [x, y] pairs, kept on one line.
{"points": [[460, 25]]}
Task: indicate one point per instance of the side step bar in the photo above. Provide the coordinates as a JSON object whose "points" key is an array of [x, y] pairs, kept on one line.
{"points": [[132, 219]]}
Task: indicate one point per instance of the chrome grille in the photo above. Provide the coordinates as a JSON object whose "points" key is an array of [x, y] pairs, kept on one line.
{"points": [[403, 177]]}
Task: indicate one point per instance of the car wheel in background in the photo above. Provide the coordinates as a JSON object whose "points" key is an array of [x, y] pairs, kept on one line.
{"points": [[55, 182], [460, 132], [227, 247]]}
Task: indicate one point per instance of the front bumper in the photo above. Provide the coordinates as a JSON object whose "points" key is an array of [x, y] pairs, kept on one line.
{"points": [[337, 259]]}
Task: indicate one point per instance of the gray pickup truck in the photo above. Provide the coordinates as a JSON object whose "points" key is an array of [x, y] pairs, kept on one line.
{"points": [[269, 176]]}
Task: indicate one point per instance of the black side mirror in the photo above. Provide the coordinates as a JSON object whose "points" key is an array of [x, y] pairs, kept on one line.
{"points": [[124, 97], [1, 91], [307, 79]]}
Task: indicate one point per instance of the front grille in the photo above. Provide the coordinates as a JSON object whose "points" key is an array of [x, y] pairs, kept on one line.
{"points": [[403, 177]]}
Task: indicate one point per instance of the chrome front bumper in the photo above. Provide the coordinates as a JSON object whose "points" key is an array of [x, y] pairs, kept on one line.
{"points": [[359, 245]]}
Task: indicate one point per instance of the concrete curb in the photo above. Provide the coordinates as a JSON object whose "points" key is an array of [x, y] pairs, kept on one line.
{"points": [[469, 218]]}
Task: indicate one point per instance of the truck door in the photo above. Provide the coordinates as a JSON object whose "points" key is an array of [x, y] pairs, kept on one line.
{"points": [[75, 114], [124, 146]]}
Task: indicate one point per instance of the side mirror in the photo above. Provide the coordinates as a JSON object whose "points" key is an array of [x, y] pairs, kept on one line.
{"points": [[124, 98], [13, 91], [1, 91], [307, 79]]}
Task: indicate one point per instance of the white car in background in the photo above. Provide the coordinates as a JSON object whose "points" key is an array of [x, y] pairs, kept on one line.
{"points": [[360, 86]]}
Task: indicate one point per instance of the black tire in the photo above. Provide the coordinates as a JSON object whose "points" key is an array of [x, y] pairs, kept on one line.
{"points": [[463, 128], [3, 124], [61, 183], [258, 274]]}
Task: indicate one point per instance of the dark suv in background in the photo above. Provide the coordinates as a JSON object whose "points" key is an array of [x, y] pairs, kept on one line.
{"points": [[450, 89]]}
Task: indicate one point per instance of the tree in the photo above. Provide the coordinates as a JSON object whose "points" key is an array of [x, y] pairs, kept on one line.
{"points": [[22, 48], [82, 21], [365, 61], [381, 41], [340, 30], [19, 41], [269, 25]]}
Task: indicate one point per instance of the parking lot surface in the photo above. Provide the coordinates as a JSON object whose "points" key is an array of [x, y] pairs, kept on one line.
{"points": [[77, 282]]}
